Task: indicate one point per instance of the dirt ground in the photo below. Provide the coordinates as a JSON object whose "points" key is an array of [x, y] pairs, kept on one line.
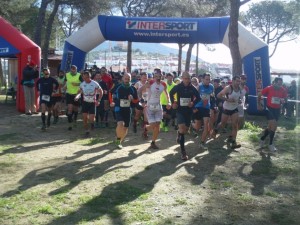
{"points": [[61, 177]]}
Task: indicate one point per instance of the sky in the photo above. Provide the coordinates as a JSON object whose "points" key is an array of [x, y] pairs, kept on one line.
{"points": [[286, 57]]}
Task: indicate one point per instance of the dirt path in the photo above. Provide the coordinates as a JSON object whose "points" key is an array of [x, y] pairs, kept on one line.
{"points": [[88, 181]]}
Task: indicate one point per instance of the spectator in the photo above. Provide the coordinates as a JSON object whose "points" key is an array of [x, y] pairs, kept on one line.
{"points": [[30, 72]]}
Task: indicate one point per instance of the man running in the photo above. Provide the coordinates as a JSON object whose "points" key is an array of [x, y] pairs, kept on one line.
{"points": [[202, 108], [45, 86], [123, 95], [187, 98], [275, 97], [154, 109], [231, 95], [73, 80], [89, 89]]}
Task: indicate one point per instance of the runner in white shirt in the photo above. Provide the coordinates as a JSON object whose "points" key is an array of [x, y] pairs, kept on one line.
{"points": [[139, 108], [154, 109], [89, 89]]}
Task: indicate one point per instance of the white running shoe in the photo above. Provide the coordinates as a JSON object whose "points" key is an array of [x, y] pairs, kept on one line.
{"points": [[261, 143], [272, 148], [203, 146]]}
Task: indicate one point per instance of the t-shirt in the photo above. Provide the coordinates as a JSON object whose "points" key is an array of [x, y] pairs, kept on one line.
{"points": [[89, 91], [163, 96], [155, 91], [121, 93], [274, 96], [205, 91]]}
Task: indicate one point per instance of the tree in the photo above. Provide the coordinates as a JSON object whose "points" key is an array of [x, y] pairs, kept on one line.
{"points": [[274, 21], [49, 9], [237, 65], [196, 9]]}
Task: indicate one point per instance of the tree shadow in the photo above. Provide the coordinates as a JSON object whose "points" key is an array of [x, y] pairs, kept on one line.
{"points": [[119, 193], [71, 172], [262, 174]]}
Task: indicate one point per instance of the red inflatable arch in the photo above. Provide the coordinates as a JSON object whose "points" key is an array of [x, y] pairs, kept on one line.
{"points": [[14, 44]]}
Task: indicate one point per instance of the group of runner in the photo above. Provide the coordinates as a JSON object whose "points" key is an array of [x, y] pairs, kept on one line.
{"points": [[203, 107]]}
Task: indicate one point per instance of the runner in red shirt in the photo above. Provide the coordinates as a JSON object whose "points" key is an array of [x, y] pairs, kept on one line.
{"points": [[275, 97]]}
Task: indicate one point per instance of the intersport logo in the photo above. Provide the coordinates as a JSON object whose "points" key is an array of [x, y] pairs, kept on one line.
{"points": [[161, 25]]}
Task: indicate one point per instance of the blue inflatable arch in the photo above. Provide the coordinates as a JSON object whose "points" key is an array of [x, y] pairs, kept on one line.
{"points": [[254, 51]]}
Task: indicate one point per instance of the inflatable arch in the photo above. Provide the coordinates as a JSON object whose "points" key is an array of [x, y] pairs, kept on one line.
{"points": [[15, 44], [254, 51]]}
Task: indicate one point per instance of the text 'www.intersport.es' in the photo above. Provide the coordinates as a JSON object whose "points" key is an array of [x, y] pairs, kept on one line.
{"points": [[160, 34]]}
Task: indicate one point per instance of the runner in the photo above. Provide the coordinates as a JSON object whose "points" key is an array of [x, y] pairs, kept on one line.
{"points": [[57, 96], [89, 89], [73, 80], [275, 97], [45, 86], [242, 106], [202, 108], [154, 108], [123, 95], [139, 108], [187, 97], [231, 95], [168, 113]]}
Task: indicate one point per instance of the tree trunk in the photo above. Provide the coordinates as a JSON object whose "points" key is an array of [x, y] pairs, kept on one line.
{"points": [[2, 83], [48, 34], [188, 57], [129, 56], [237, 66], [40, 22]]}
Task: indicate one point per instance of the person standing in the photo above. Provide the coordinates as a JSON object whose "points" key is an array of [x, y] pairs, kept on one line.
{"points": [[187, 97], [30, 72], [275, 94], [292, 94], [154, 109], [73, 80], [45, 86], [123, 95], [90, 91]]}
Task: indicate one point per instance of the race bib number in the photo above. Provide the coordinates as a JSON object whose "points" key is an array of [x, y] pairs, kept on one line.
{"points": [[154, 107], [145, 95], [124, 103], [46, 98], [275, 100], [89, 99], [185, 101]]}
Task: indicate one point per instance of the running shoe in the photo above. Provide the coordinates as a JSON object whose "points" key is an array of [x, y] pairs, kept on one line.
{"points": [[261, 143], [184, 156], [234, 145], [203, 146], [272, 148], [118, 144], [166, 129], [153, 145]]}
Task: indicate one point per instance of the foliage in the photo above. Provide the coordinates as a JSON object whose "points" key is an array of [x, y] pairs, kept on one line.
{"points": [[274, 21]]}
